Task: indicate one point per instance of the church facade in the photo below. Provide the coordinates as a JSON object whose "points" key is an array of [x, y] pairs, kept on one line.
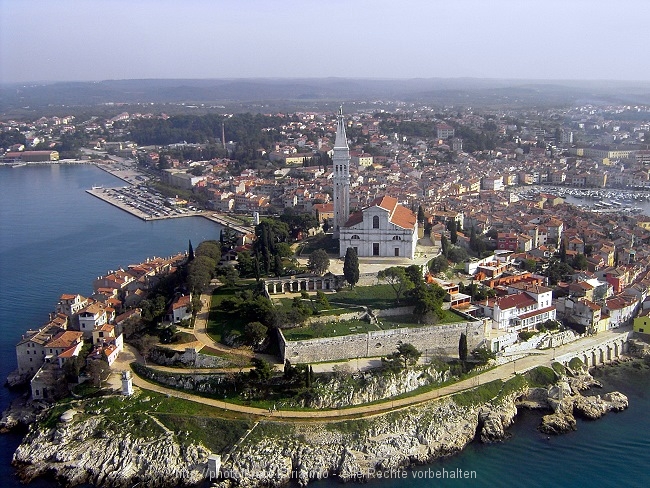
{"points": [[383, 229]]}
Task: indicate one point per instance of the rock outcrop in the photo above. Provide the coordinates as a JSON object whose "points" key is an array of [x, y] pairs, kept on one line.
{"points": [[353, 450], [566, 401], [86, 446], [356, 389], [90, 451], [20, 414]]}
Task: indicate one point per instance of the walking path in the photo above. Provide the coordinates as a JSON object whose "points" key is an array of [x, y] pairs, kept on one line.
{"points": [[502, 372]]}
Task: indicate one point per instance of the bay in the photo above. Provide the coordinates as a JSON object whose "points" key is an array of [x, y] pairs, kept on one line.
{"points": [[55, 238]]}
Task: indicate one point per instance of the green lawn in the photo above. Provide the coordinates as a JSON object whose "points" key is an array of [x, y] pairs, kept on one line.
{"points": [[335, 329], [331, 329], [375, 297], [220, 322]]}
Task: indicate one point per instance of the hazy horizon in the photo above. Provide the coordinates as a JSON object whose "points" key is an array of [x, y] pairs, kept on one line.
{"points": [[67, 40]]}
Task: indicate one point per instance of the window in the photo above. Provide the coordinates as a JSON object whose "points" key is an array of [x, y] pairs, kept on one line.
{"points": [[355, 237], [375, 222], [397, 238]]}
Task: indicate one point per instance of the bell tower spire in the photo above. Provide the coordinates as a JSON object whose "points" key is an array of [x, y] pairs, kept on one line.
{"points": [[341, 178]]}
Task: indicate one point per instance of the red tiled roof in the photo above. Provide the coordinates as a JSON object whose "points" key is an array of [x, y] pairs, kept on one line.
{"points": [[519, 300]]}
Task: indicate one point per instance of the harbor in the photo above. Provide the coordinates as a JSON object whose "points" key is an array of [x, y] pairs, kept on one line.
{"points": [[596, 200]]}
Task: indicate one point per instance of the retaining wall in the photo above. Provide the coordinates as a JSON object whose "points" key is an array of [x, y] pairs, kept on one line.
{"points": [[435, 339]]}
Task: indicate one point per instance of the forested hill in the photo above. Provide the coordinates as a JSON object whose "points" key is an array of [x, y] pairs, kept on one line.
{"points": [[431, 90]]}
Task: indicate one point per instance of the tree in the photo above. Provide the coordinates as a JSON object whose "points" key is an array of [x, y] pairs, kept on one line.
{"points": [[453, 232], [438, 264], [457, 254], [396, 277], [262, 370], [190, 252], [406, 354], [255, 333], [322, 299], [98, 371], [319, 261], [530, 265], [427, 299], [579, 262], [483, 355], [462, 347], [421, 216], [145, 345], [444, 245], [351, 266], [229, 275]]}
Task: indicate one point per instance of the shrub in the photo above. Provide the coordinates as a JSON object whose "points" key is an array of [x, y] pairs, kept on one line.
{"points": [[524, 335]]}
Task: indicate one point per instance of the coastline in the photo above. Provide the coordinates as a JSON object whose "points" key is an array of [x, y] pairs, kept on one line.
{"points": [[278, 452]]}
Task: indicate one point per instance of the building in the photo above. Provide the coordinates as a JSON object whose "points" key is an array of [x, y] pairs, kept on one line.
{"points": [[33, 156], [180, 309], [524, 308], [384, 229], [341, 178], [444, 131], [507, 241]]}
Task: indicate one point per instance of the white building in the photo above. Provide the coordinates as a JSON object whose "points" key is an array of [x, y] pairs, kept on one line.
{"points": [[526, 307], [384, 228]]}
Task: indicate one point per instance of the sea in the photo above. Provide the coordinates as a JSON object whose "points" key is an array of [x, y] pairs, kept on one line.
{"points": [[55, 238]]}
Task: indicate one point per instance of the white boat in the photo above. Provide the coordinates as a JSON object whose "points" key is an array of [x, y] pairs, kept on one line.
{"points": [[97, 187], [18, 165]]}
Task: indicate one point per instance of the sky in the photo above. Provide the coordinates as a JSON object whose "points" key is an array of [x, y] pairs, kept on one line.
{"points": [[93, 40]]}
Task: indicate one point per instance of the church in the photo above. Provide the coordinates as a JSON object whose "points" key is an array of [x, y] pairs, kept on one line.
{"points": [[384, 228]]}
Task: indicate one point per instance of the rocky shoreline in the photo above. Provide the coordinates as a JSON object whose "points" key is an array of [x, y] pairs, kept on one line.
{"points": [[83, 447]]}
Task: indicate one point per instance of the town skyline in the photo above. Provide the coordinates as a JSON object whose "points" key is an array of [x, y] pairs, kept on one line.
{"points": [[103, 40]]}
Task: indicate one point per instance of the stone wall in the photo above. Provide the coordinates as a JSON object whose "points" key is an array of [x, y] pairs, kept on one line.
{"points": [[435, 339], [325, 319], [189, 358]]}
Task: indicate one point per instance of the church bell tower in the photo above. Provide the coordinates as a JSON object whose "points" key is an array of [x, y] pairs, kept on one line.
{"points": [[341, 178]]}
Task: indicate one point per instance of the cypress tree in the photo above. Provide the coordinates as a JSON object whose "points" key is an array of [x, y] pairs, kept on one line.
{"points": [[351, 266], [190, 252], [462, 347]]}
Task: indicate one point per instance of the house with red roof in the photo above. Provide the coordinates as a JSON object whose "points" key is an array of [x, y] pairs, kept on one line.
{"points": [[526, 306], [180, 309]]}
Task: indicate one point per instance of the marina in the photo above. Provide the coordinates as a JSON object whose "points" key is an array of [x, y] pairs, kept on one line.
{"points": [[602, 200]]}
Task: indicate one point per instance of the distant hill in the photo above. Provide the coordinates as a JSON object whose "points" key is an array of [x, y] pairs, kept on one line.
{"points": [[437, 91]]}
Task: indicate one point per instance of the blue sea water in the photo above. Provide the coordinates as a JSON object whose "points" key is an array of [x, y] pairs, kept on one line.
{"points": [[55, 238]]}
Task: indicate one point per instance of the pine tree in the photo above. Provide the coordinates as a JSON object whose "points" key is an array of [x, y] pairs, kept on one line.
{"points": [[351, 266]]}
